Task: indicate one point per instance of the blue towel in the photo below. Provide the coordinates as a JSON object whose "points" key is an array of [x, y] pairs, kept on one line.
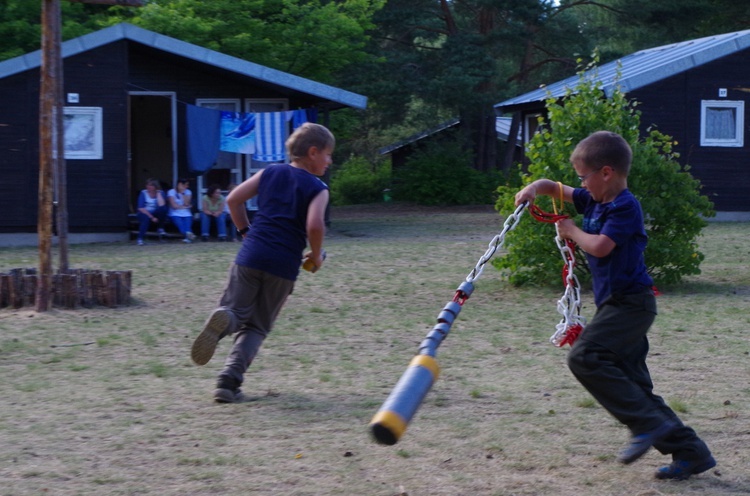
{"points": [[202, 138], [238, 132]]}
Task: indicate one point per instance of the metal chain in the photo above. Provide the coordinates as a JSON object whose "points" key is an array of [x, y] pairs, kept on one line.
{"points": [[497, 242], [569, 305]]}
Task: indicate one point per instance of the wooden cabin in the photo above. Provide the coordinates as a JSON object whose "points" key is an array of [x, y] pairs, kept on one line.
{"points": [[695, 91], [127, 90]]}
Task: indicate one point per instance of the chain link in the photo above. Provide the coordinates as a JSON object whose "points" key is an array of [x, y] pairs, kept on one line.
{"points": [[569, 305], [497, 242]]}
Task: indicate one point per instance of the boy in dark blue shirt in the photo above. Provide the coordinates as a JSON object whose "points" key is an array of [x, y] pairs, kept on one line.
{"points": [[291, 213], [609, 357]]}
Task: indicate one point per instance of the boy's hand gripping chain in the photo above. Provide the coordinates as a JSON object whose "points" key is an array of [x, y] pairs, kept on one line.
{"points": [[390, 422], [569, 306]]}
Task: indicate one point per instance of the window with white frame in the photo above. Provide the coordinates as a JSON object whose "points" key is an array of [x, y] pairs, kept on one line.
{"points": [[722, 123]]}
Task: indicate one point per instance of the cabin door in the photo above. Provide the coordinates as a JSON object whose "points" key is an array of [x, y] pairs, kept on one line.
{"points": [[152, 140]]}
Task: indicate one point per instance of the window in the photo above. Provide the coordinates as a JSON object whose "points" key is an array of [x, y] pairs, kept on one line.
{"points": [[722, 123]]}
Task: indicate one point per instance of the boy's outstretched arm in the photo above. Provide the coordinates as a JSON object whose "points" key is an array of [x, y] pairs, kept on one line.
{"points": [[545, 187], [316, 227]]}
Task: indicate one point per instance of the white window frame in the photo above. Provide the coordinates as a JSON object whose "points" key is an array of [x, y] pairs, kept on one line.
{"points": [[739, 107]]}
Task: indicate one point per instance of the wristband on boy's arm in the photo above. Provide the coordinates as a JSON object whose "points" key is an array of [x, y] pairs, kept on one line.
{"points": [[243, 231]]}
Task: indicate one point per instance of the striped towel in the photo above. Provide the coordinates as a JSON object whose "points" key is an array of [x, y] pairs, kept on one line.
{"points": [[270, 135]]}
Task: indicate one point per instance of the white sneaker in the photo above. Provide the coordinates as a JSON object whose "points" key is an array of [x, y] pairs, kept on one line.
{"points": [[140, 242], [190, 235]]}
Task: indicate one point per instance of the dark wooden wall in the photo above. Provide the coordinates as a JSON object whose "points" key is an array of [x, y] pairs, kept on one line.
{"points": [[674, 105], [98, 189]]}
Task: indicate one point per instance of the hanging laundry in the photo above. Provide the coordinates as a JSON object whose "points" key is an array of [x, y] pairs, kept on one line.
{"points": [[299, 117], [202, 138], [270, 137], [238, 132]]}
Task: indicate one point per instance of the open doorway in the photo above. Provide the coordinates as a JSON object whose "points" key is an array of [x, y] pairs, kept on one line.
{"points": [[152, 141]]}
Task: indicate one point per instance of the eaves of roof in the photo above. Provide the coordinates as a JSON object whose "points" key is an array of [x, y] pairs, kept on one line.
{"points": [[125, 31]]}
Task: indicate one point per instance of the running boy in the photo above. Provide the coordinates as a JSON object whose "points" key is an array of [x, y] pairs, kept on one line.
{"points": [[609, 358], [291, 208]]}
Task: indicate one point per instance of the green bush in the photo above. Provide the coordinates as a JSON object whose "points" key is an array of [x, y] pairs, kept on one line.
{"points": [[440, 174], [670, 196], [357, 181]]}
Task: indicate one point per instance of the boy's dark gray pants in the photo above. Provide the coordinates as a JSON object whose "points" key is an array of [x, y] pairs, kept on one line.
{"points": [[255, 298], [609, 360]]}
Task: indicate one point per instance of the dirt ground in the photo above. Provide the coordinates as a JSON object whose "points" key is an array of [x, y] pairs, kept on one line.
{"points": [[104, 401]]}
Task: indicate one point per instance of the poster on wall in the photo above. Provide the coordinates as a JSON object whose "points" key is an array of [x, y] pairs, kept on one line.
{"points": [[82, 127]]}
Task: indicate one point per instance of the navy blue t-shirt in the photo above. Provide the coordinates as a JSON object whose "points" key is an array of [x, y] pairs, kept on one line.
{"points": [[278, 233], [623, 271]]}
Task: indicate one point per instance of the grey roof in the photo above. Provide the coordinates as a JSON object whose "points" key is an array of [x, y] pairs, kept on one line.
{"points": [[502, 127], [644, 67], [418, 136], [174, 46]]}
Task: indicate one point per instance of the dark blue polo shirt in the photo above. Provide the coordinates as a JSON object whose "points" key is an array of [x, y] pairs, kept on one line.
{"points": [[623, 271]]}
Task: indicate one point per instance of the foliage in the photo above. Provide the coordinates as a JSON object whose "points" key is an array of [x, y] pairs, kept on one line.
{"points": [[460, 58], [440, 173], [670, 197], [312, 38], [626, 26], [356, 181]]}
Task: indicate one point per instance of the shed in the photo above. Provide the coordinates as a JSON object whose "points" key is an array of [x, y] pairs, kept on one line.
{"points": [[695, 91], [403, 149], [133, 86]]}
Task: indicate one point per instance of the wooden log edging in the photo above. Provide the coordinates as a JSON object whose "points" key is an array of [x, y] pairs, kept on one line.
{"points": [[70, 289]]}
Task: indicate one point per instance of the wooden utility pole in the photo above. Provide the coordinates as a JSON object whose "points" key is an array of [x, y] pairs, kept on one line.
{"points": [[52, 170], [48, 138]]}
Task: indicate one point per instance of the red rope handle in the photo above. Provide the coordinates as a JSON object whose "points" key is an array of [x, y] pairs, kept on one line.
{"points": [[543, 216]]}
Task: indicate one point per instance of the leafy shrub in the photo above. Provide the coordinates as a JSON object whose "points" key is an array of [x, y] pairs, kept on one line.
{"points": [[440, 174], [670, 196], [357, 181]]}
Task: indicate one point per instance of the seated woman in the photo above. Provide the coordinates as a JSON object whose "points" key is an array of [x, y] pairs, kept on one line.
{"points": [[152, 207], [213, 209], [180, 209]]}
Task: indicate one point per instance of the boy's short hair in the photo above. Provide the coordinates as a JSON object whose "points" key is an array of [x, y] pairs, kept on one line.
{"points": [[307, 136], [604, 148]]}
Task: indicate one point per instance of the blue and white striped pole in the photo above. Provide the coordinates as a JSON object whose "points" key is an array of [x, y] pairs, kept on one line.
{"points": [[390, 422]]}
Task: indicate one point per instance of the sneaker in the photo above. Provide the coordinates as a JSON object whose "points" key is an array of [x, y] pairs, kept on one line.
{"points": [[222, 238], [215, 328], [683, 469], [190, 235], [204, 237], [140, 242], [186, 241], [641, 443], [224, 395]]}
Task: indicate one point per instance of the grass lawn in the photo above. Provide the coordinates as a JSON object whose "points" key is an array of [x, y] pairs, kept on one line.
{"points": [[105, 401]]}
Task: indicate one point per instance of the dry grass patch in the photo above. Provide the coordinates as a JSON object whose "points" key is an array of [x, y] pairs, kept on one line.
{"points": [[106, 401]]}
